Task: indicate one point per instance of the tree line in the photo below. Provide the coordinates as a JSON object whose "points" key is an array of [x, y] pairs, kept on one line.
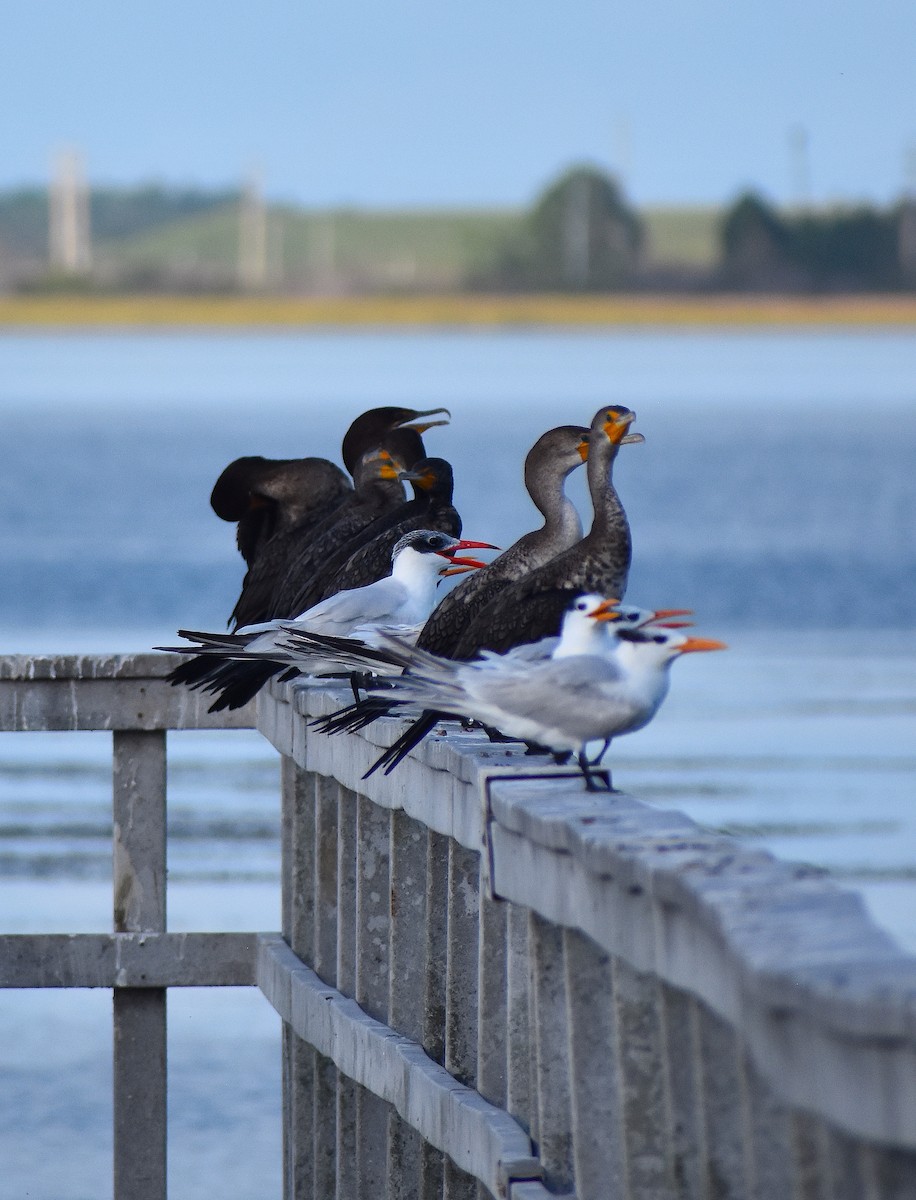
{"points": [[580, 235]]}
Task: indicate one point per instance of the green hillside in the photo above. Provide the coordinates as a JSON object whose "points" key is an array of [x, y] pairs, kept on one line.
{"points": [[686, 236], [376, 249], [155, 238]]}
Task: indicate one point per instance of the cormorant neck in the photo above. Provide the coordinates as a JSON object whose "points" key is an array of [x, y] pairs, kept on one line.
{"points": [[561, 520], [609, 512]]}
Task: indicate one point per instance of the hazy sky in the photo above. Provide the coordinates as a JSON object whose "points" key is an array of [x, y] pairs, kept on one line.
{"points": [[391, 102]]}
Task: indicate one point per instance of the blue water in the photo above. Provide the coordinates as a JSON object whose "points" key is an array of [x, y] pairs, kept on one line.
{"points": [[775, 494]]}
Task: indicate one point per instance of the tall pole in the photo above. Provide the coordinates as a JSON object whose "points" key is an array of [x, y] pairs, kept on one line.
{"points": [[69, 243], [800, 167], [252, 266]]}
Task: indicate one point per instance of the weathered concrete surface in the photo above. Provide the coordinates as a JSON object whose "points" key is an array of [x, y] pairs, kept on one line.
{"points": [[118, 691], [743, 989]]}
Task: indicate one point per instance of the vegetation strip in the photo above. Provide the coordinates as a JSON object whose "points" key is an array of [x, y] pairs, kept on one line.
{"points": [[453, 310]]}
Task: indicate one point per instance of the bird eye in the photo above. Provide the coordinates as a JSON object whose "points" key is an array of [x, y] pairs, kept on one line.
{"points": [[660, 639], [633, 616], [436, 542]]}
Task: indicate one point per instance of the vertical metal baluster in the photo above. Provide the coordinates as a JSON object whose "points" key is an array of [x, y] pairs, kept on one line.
{"points": [[725, 1104], [770, 1131], [551, 1037], [436, 953], [492, 1039], [598, 1151], [298, 870], [139, 1014], [534, 1125], [687, 1126], [643, 1083], [373, 909], [346, 983], [461, 987], [518, 1082], [325, 964], [845, 1177], [492, 1067], [407, 982]]}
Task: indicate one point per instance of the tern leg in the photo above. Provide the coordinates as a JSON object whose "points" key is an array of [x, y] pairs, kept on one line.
{"points": [[601, 753], [495, 736], [590, 775], [360, 679]]}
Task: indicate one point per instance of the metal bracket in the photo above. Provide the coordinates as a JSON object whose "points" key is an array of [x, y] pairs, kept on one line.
{"points": [[508, 774]]}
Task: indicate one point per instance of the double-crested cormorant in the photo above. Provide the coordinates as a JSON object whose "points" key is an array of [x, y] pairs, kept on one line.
{"points": [[279, 503], [365, 559], [378, 491], [533, 607], [268, 497], [552, 458]]}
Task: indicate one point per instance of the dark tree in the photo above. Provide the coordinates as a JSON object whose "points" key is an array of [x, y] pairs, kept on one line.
{"points": [[756, 247], [848, 250], [581, 236], [584, 236]]}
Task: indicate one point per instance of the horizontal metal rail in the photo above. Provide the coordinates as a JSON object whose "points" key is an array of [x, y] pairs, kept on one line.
{"points": [[127, 960], [56, 692], [480, 1138]]}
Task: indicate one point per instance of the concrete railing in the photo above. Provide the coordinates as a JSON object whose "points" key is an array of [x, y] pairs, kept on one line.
{"points": [[634, 1007], [491, 981]]}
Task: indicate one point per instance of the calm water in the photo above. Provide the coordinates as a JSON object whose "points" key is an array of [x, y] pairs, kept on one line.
{"points": [[775, 495]]}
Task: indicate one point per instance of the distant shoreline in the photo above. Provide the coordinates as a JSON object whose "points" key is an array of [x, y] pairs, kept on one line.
{"points": [[454, 311]]}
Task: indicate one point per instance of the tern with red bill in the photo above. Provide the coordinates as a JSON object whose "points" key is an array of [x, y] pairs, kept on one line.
{"points": [[235, 666]]}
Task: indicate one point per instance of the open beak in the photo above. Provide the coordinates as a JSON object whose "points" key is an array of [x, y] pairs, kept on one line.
{"points": [[420, 425], [616, 428], [606, 610], [693, 644], [460, 565], [423, 479]]}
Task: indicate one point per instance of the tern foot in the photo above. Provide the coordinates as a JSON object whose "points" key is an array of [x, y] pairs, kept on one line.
{"points": [[591, 776], [360, 680]]}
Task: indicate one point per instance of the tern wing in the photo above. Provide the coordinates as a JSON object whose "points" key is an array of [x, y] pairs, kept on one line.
{"points": [[576, 693], [378, 603]]}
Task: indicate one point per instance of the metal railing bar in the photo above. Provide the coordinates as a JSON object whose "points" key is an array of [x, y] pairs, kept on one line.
{"points": [[50, 693], [140, 1071], [481, 1139], [134, 960]]}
